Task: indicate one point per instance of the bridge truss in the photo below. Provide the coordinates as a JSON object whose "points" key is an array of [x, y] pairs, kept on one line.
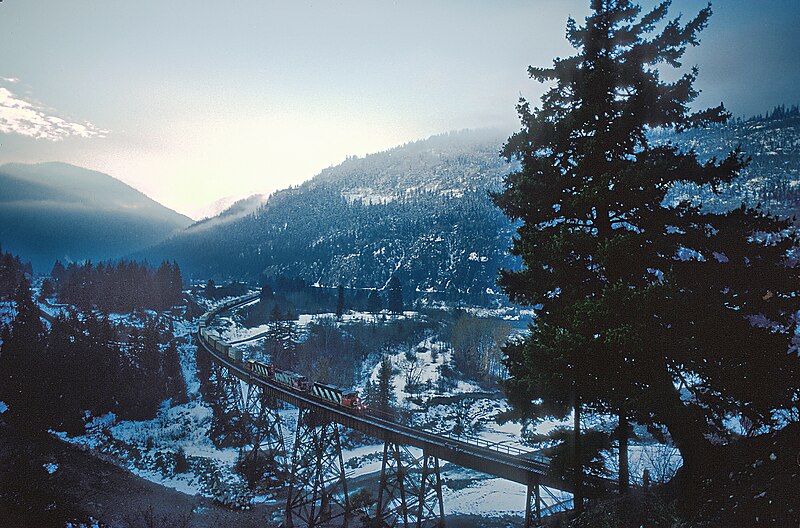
{"points": [[410, 486]]}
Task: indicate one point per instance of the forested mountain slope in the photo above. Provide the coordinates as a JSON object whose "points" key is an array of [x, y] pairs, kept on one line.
{"points": [[52, 211], [773, 177], [422, 210]]}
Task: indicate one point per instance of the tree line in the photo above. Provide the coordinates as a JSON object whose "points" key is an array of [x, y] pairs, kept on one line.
{"points": [[283, 298], [83, 365], [12, 272], [120, 287]]}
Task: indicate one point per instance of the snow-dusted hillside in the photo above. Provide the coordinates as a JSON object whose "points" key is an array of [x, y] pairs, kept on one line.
{"points": [[772, 179], [421, 211]]}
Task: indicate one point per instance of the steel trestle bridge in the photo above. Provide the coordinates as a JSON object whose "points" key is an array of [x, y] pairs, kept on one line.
{"points": [[410, 489]]}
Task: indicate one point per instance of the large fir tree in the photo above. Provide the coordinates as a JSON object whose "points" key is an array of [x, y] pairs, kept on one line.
{"points": [[650, 307], [382, 393]]}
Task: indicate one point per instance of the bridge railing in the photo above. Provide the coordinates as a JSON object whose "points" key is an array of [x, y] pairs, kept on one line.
{"points": [[472, 440], [487, 444], [511, 455]]}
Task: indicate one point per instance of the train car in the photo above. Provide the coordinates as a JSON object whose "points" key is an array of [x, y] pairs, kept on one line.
{"points": [[261, 369], [210, 337], [338, 396], [221, 347], [290, 379], [234, 353]]}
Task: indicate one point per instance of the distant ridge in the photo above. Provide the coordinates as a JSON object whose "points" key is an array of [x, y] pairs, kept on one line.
{"points": [[420, 211], [233, 210], [224, 204], [54, 210]]}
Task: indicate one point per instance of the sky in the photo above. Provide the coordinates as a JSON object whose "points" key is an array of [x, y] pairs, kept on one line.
{"points": [[192, 101]]}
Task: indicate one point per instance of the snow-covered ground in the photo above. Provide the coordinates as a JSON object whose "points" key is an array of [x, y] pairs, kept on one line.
{"points": [[149, 448], [232, 332], [422, 370], [7, 312]]}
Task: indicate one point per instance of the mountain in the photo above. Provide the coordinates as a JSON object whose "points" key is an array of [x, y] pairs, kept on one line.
{"points": [[771, 180], [224, 204], [421, 211], [233, 210], [52, 211]]}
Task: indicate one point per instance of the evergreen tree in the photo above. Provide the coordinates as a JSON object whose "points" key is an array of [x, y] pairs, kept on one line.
{"points": [[383, 398], [163, 281], [176, 285], [175, 383], [102, 361], [642, 295], [266, 293], [395, 295], [340, 302], [59, 382], [374, 303], [149, 352], [276, 314], [281, 344], [146, 383], [211, 289], [47, 290], [12, 272]]}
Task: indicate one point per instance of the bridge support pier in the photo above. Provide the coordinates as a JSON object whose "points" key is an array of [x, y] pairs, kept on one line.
{"points": [[263, 432], [318, 488], [410, 492], [224, 395], [533, 504]]}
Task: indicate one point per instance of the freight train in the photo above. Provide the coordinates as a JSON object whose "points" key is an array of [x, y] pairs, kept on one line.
{"points": [[218, 345], [287, 378]]}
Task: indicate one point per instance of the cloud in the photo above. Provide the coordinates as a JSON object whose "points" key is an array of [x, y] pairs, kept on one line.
{"points": [[18, 116]]}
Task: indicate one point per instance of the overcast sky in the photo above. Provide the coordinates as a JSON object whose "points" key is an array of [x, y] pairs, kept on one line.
{"points": [[190, 101]]}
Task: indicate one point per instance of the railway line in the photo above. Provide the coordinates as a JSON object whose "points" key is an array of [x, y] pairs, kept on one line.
{"points": [[531, 469]]}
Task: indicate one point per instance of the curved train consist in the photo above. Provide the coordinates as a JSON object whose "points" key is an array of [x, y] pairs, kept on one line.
{"points": [[287, 378]]}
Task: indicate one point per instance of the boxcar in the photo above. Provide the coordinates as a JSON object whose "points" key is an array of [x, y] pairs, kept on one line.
{"points": [[234, 353]]}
